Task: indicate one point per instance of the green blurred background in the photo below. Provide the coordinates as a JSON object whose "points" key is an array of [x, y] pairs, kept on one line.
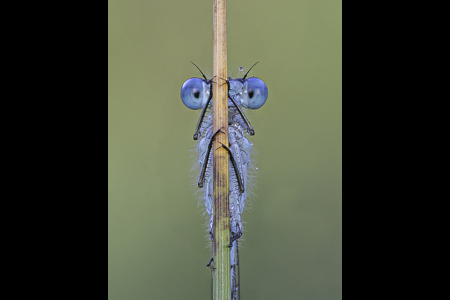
{"points": [[157, 237]]}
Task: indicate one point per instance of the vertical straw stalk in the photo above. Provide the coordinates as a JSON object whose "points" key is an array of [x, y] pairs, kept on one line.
{"points": [[221, 251]]}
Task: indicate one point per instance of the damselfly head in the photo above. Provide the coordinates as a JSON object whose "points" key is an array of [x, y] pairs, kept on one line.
{"points": [[250, 93], [253, 93]]}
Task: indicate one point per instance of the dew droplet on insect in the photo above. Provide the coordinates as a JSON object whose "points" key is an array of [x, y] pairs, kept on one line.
{"points": [[241, 69], [257, 168]]}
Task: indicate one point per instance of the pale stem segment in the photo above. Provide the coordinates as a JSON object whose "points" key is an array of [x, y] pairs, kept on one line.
{"points": [[221, 223]]}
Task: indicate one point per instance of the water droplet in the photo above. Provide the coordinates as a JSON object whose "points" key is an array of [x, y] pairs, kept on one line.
{"points": [[241, 69], [257, 168]]}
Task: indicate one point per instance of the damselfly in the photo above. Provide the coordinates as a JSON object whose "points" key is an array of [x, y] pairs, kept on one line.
{"points": [[249, 93]]}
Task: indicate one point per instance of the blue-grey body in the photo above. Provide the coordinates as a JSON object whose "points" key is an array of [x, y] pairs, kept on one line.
{"points": [[240, 147], [251, 93]]}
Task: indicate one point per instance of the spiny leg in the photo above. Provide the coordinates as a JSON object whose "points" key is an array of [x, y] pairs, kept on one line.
{"points": [[205, 161], [241, 188], [200, 120], [236, 170], [235, 237], [250, 129], [210, 262]]}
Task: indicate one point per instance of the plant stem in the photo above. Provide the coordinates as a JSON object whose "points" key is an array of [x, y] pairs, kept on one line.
{"points": [[221, 251]]}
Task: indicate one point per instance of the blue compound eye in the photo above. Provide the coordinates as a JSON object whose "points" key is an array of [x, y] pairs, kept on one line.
{"points": [[256, 94], [195, 93]]}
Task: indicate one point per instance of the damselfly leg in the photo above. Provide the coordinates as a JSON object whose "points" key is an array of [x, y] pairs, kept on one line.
{"points": [[203, 171]]}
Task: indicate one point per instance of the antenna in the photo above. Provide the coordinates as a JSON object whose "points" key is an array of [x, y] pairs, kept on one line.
{"points": [[201, 71], [248, 70]]}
